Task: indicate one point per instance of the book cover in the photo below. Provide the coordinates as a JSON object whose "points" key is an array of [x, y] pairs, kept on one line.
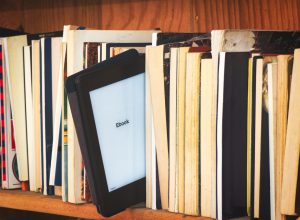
{"points": [[46, 114], [291, 155], [232, 135], [253, 125], [36, 83], [32, 166], [10, 174]]}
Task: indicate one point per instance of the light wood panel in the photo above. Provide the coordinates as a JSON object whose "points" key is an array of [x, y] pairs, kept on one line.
{"points": [[36, 202], [250, 14], [50, 15], [170, 15]]}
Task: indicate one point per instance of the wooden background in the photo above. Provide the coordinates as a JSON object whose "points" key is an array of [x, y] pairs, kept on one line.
{"points": [[170, 15]]}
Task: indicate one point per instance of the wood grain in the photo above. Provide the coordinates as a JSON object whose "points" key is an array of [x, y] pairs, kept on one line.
{"points": [[251, 14], [36, 202], [169, 15], [30, 201]]}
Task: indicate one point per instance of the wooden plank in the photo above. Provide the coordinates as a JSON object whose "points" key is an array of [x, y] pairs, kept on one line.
{"points": [[168, 15], [36, 202], [148, 214], [252, 14], [11, 14], [51, 15]]}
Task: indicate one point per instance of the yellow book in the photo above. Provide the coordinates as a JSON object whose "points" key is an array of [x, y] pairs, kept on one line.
{"points": [[192, 134]]}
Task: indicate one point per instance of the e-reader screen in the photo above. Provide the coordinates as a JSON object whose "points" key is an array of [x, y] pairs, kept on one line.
{"points": [[119, 113]]}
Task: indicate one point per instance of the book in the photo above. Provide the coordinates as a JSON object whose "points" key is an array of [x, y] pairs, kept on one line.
{"points": [[46, 114], [192, 135], [272, 75], [291, 154], [232, 135], [257, 132], [9, 174], [32, 166], [180, 125], [173, 164], [266, 145], [13, 47], [36, 80], [155, 73], [207, 152], [284, 75], [64, 130], [56, 53], [150, 147], [249, 133]]}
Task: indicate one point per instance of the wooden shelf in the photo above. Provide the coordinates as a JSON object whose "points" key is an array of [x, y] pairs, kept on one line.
{"points": [[36, 202], [30, 201]]}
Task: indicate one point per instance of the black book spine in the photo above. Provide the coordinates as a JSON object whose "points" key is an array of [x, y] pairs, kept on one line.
{"points": [[234, 135]]}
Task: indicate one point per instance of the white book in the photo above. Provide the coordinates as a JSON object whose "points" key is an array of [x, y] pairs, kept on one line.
{"points": [[36, 83], [272, 96], [75, 43], [173, 154], [257, 150], [11, 179], [207, 154], [57, 72], [43, 125], [13, 48], [29, 119], [221, 73]]}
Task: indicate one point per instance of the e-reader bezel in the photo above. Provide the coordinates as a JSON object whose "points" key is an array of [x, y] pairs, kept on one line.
{"points": [[133, 193]]}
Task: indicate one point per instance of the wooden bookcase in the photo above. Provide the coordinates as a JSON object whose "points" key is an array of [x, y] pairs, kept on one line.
{"points": [[35, 16]]}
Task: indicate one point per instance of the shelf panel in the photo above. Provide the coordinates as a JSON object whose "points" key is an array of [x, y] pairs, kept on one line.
{"points": [[36, 202], [169, 15]]}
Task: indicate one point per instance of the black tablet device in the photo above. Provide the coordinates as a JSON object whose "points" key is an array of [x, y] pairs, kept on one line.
{"points": [[108, 106]]}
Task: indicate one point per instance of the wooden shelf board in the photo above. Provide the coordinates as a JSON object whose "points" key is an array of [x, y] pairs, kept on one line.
{"points": [[36, 202]]}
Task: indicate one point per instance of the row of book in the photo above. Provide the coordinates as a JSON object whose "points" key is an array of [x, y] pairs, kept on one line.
{"points": [[223, 124], [221, 117], [39, 148]]}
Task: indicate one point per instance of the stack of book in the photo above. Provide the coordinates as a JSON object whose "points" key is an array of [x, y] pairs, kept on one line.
{"points": [[222, 124]]}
